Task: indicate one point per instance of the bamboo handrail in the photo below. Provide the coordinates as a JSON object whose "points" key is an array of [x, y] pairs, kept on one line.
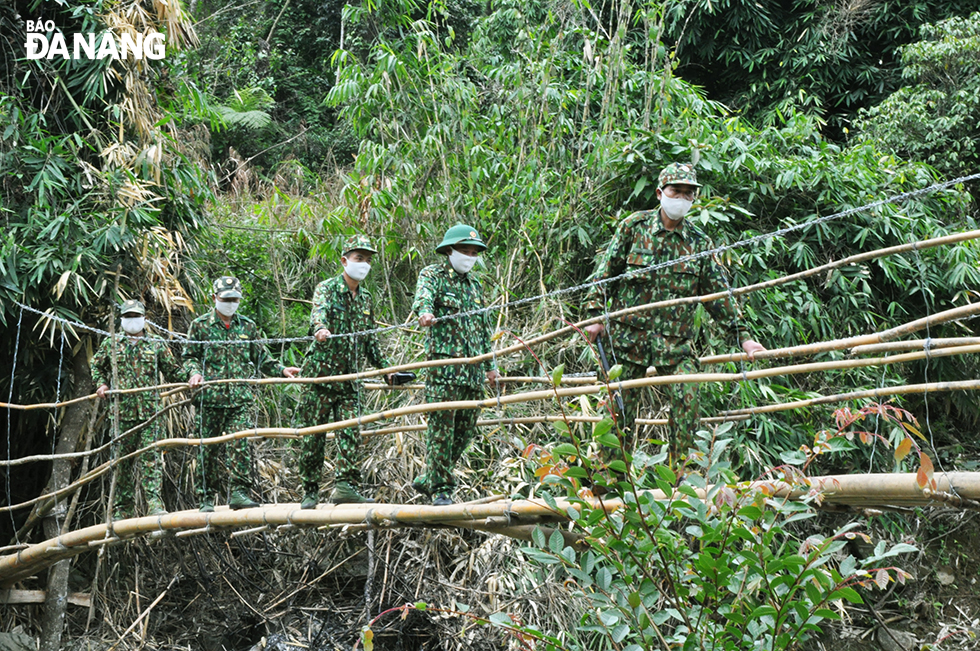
{"points": [[735, 291], [541, 395], [914, 344], [883, 392], [957, 488], [530, 420], [850, 342]]}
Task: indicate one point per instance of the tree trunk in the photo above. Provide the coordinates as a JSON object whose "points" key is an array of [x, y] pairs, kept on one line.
{"points": [[72, 429]]}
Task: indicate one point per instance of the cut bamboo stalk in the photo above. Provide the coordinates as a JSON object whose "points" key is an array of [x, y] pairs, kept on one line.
{"points": [[530, 420], [543, 395], [884, 392], [528, 396], [848, 490], [915, 344], [516, 348], [851, 342]]}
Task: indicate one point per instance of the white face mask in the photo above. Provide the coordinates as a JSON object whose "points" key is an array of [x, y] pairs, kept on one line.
{"points": [[226, 308], [357, 270], [133, 325], [675, 209], [461, 262]]}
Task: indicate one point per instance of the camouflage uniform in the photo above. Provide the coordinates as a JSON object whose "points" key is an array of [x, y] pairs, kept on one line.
{"points": [[660, 338], [337, 310], [139, 363], [442, 292], [226, 408]]}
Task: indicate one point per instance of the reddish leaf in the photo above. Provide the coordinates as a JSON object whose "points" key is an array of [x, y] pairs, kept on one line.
{"points": [[903, 449], [921, 479], [530, 450], [924, 476], [542, 471]]}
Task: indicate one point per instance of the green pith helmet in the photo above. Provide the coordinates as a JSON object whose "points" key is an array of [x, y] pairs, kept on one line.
{"points": [[460, 234], [679, 174], [357, 243], [132, 306]]}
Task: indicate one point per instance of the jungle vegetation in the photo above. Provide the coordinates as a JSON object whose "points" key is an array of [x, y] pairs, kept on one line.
{"points": [[272, 130]]}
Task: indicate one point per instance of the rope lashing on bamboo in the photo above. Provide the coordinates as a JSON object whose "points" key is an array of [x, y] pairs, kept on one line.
{"points": [[848, 490]]}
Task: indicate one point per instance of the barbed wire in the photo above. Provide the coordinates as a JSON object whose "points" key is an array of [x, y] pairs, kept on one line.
{"points": [[545, 295]]}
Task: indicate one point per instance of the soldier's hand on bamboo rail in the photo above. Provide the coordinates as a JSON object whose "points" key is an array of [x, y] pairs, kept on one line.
{"points": [[321, 335], [101, 391], [291, 371], [195, 380], [594, 331], [425, 320], [493, 376], [751, 347]]}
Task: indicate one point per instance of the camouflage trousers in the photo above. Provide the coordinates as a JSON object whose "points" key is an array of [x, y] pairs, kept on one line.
{"points": [[684, 400], [235, 456], [448, 434], [145, 470], [319, 407]]}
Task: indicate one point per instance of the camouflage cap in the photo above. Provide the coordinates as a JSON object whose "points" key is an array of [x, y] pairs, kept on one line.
{"points": [[679, 174], [132, 305], [358, 243], [227, 287]]}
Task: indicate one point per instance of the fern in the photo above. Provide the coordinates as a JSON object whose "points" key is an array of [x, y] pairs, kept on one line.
{"points": [[246, 109]]}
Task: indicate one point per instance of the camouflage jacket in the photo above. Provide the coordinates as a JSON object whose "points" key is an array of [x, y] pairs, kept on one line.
{"points": [[661, 336], [443, 292], [226, 361], [139, 363], [340, 312]]}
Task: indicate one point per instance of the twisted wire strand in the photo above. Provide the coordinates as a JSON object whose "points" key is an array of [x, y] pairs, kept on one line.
{"points": [[905, 196]]}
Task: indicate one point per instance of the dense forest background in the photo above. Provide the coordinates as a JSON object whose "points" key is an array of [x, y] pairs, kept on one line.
{"points": [[272, 130]]}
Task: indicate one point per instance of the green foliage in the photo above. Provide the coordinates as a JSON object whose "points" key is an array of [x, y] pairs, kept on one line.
{"points": [[247, 108], [769, 59], [936, 117], [546, 126], [711, 566]]}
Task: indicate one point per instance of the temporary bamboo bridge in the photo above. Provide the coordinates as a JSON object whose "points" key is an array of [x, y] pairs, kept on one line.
{"points": [[495, 514], [518, 518]]}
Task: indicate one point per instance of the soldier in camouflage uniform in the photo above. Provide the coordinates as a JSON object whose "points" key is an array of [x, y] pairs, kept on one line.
{"points": [[341, 305], [226, 408], [443, 290], [662, 338], [139, 363]]}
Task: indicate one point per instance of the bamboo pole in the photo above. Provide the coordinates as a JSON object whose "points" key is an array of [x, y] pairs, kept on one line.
{"points": [[706, 298], [907, 389], [529, 396], [851, 342], [915, 344], [530, 420], [837, 490], [793, 351]]}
